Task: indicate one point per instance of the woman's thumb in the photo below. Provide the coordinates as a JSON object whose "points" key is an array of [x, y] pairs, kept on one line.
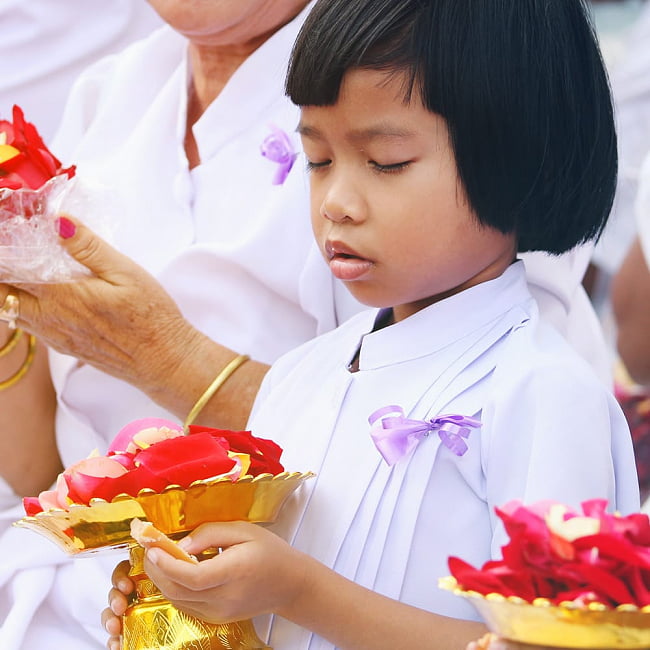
{"points": [[87, 248]]}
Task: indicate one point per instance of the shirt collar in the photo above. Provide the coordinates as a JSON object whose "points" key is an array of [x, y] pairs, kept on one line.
{"points": [[447, 321]]}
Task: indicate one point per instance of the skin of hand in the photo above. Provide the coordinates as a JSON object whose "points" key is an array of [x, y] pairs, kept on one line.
{"points": [[259, 573], [126, 306], [114, 318], [27, 473], [630, 293], [119, 598], [255, 574]]}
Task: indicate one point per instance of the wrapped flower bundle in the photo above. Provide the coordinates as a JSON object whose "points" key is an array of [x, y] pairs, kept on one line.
{"points": [[153, 454], [562, 555], [34, 189]]}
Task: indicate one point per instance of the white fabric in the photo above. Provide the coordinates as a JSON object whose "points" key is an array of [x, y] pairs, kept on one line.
{"points": [[550, 430], [46, 44], [556, 285]]}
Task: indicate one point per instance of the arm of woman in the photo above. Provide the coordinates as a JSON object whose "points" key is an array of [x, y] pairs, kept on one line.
{"points": [[630, 294], [121, 321], [26, 417]]}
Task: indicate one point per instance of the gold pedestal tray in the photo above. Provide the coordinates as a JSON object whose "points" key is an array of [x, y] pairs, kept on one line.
{"points": [[567, 625], [152, 622]]}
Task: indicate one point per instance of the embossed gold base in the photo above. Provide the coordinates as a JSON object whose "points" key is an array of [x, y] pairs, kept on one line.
{"points": [[153, 623]]}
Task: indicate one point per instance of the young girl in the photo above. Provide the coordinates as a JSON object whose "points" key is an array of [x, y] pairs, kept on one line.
{"points": [[443, 137]]}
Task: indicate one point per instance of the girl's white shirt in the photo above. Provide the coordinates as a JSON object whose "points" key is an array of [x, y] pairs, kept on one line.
{"points": [[550, 430]]}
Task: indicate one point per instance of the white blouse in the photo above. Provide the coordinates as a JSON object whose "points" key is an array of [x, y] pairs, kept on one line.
{"points": [[550, 430]]}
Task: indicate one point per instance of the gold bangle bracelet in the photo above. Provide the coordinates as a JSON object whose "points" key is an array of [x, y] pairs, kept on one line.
{"points": [[12, 342], [217, 383], [20, 373]]}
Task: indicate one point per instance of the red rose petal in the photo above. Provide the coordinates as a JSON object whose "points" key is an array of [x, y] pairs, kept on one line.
{"points": [[186, 459]]}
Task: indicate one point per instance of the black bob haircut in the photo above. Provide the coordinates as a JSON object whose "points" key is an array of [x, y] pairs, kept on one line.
{"points": [[520, 83]]}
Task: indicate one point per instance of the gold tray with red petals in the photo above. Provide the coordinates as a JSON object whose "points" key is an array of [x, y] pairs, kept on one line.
{"points": [[101, 525], [567, 625]]}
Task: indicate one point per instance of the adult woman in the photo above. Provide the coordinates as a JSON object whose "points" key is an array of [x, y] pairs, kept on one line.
{"points": [[231, 265], [235, 264]]}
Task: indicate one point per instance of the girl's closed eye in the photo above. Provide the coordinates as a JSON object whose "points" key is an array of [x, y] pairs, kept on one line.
{"points": [[389, 169], [312, 165]]}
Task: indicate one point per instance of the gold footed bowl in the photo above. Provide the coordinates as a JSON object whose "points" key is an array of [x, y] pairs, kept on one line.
{"points": [[152, 622], [567, 625]]}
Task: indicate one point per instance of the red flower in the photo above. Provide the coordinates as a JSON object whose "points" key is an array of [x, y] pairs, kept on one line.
{"points": [[25, 161], [560, 554], [153, 453], [264, 454]]}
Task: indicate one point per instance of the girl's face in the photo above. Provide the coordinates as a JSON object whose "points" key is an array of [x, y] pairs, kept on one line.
{"points": [[388, 210]]}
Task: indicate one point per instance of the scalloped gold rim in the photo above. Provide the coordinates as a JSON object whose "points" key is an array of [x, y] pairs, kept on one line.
{"points": [[564, 625], [449, 583], [84, 529], [146, 492]]}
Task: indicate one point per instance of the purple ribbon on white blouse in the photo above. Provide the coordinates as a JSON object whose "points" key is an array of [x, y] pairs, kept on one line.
{"points": [[396, 436], [277, 147]]}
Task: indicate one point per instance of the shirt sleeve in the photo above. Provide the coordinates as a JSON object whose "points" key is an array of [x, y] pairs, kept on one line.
{"points": [[554, 432]]}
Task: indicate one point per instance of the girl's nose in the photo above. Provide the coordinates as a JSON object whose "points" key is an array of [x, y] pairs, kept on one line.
{"points": [[342, 203]]}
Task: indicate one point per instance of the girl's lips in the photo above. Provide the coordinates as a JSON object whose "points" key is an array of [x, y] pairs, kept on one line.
{"points": [[345, 263]]}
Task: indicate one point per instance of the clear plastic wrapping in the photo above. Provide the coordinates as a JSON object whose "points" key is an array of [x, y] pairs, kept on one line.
{"points": [[30, 246]]}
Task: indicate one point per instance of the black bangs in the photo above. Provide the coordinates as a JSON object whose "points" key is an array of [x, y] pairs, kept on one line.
{"points": [[520, 84], [339, 35]]}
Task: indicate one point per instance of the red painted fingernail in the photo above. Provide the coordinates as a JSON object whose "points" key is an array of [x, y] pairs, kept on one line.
{"points": [[66, 228]]}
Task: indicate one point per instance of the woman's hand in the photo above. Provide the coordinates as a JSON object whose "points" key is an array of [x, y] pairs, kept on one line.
{"points": [[256, 573], [113, 319], [121, 321]]}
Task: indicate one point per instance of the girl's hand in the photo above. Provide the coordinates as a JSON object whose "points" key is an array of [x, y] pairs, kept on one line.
{"points": [[118, 600], [257, 573]]}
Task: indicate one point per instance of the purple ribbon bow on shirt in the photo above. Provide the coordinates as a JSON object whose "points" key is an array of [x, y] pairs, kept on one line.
{"points": [[396, 436], [277, 148]]}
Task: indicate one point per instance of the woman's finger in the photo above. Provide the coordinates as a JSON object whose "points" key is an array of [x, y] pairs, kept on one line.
{"points": [[25, 306], [89, 249]]}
